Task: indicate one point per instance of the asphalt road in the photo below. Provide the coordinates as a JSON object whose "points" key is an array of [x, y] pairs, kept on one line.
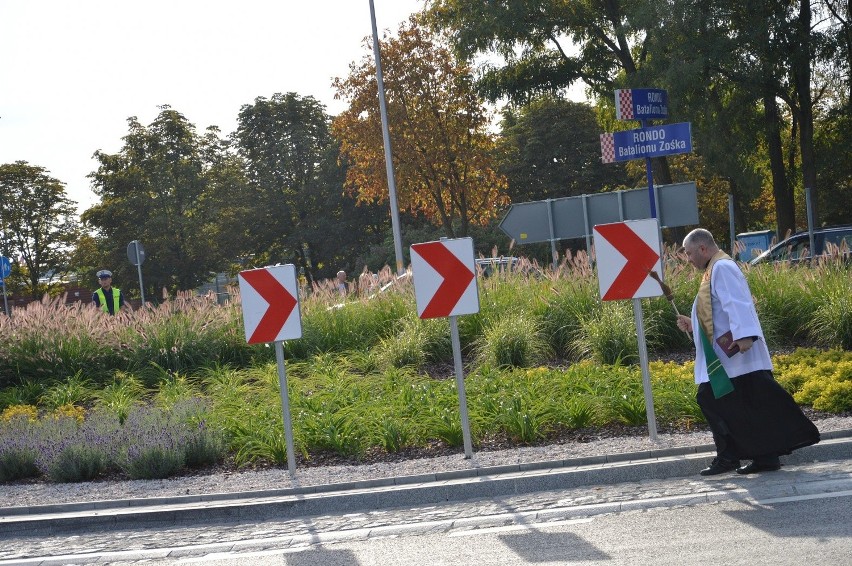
{"points": [[801, 514], [816, 531], [804, 531]]}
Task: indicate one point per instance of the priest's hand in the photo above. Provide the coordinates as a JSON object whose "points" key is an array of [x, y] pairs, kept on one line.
{"points": [[684, 323], [745, 344]]}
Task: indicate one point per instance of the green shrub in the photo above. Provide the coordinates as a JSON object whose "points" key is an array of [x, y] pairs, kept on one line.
{"points": [[260, 438], [174, 388], [27, 393], [580, 412], [121, 396], [831, 325], [153, 462], [18, 464], [783, 300], [356, 325], [444, 423], [836, 397], [77, 463], [526, 421], [630, 409], [500, 297], [793, 378], [76, 390], [393, 435], [514, 340], [570, 303], [204, 447], [405, 348], [811, 390], [337, 432], [608, 335]]}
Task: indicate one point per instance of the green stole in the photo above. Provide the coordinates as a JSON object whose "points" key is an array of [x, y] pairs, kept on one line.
{"points": [[719, 380]]}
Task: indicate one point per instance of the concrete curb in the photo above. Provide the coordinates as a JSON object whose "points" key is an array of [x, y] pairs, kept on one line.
{"points": [[381, 493]]}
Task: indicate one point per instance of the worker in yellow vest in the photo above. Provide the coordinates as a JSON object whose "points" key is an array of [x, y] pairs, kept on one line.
{"points": [[108, 298]]}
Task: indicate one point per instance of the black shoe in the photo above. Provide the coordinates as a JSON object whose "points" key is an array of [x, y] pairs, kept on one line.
{"points": [[720, 466], [756, 467]]}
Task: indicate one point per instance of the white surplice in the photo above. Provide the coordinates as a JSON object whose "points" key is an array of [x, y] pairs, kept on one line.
{"points": [[733, 309]]}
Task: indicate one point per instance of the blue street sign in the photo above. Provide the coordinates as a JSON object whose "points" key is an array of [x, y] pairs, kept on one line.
{"points": [[5, 267], [641, 104], [653, 141]]}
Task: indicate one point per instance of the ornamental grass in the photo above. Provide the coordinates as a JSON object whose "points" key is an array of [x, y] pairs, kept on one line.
{"points": [[157, 391]]}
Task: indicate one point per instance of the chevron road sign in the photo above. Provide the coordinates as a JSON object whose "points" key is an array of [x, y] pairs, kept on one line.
{"points": [[445, 278], [270, 304], [444, 275], [270, 298], [626, 253]]}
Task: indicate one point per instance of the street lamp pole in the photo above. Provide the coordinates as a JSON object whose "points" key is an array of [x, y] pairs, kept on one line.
{"points": [[397, 236]]}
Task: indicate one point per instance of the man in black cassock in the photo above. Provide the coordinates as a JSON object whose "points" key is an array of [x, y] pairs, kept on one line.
{"points": [[750, 415]]}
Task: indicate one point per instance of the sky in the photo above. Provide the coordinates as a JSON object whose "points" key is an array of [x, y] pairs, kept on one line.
{"points": [[73, 72]]}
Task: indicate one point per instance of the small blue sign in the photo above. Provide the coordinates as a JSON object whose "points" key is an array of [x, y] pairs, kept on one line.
{"points": [[653, 141], [5, 267], [641, 104]]}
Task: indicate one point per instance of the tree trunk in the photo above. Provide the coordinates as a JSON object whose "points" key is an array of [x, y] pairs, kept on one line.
{"points": [[802, 79], [661, 170], [785, 210]]}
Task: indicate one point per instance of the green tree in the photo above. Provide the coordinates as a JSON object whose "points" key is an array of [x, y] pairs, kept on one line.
{"points": [[86, 258], [295, 201], [833, 141], [761, 57], [155, 190], [37, 222], [539, 47], [552, 150]]}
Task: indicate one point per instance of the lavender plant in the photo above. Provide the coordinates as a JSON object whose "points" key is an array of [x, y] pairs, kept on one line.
{"points": [[17, 453]]}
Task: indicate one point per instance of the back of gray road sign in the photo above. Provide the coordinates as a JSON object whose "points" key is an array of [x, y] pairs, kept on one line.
{"points": [[133, 248], [528, 222]]}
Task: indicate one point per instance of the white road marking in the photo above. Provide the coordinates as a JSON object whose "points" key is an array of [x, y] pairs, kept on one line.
{"points": [[804, 497], [520, 527], [234, 555]]}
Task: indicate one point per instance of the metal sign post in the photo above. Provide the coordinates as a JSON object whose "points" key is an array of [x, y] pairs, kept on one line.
{"points": [[270, 303], [445, 286], [5, 301], [457, 361], [638, 243], [285, 407], [136, 255], [383, 112], [646, 373], [5, 271]]}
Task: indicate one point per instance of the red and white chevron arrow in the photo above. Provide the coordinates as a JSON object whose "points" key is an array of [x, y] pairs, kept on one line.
{"points": [[270, 304], [445, 278], [626, 253]]}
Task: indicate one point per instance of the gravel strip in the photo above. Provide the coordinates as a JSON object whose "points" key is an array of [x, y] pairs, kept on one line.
{"points": [[28, 494]]}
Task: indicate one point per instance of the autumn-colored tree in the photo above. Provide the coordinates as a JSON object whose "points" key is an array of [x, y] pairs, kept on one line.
{"points": [[443, 155]]}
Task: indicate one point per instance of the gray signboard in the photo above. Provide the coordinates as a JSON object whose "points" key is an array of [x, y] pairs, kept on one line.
{"points": [[574, 217], [135, 252]]}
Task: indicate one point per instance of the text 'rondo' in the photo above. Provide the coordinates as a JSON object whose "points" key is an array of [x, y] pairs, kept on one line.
{"points": [[648, 135]]}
